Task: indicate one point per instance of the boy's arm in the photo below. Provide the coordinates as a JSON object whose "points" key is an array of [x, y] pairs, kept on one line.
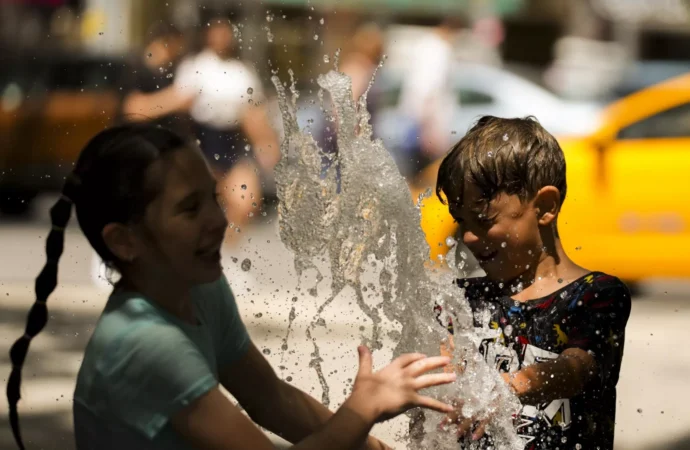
{"points": [[594, 348], [564, 377]]}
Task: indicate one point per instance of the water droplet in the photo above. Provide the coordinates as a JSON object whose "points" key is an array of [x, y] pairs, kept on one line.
{"points": [[639, 410], [250, 91], [321, 21], [269, 36], [288, 379], [100, 34], [170, 75], [326, 58], [316, 37], [269, 18], [247, 148], [216, 156], [504, 244], [246, 264], [450, 241], [490, 154], [505, 137], [578, 248], [149, 55], [560, 280], [266, 351], [243, 187], [161, 70]]}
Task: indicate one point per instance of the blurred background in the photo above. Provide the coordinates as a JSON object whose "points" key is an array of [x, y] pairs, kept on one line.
{"points": [[609, 78]]}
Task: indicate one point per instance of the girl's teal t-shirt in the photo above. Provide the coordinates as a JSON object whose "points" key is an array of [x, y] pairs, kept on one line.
{"points": [[143, 364]]}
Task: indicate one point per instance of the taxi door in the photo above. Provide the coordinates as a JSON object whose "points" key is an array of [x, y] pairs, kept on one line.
{"points": [[642, 183]]}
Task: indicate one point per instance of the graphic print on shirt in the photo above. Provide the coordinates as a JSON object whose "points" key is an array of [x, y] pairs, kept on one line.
{"points": [[507, 360], [589, 314]]}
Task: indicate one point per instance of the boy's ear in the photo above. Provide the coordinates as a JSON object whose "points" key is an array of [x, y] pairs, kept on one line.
{"points": [[548, 204]]}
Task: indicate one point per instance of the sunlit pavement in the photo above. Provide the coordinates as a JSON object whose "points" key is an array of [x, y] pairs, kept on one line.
{"points": [[653, 389]]}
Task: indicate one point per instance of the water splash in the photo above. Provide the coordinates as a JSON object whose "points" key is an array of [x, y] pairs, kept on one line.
{"points": [[372, 223]]}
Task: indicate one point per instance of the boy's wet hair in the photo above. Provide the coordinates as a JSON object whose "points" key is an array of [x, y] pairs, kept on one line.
{"points": [[513, 156], [109, 184]]}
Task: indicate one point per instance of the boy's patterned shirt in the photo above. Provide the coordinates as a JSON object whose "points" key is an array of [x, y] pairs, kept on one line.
{"points": [[590, 313]]}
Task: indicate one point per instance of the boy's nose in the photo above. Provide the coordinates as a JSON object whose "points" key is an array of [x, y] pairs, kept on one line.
{"points": [[469, 238]]}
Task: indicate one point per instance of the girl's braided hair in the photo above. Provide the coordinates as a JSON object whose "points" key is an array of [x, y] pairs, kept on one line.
{"points": [[108, 185]]}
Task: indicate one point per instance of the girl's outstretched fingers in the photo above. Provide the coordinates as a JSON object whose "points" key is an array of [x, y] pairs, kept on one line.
{"points": [[434, 379], [431, 403], [409, 358], [422, 366], [365, 360]]}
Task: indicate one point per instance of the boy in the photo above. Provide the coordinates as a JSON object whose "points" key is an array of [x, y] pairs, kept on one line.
{"points": [[559, 328]]}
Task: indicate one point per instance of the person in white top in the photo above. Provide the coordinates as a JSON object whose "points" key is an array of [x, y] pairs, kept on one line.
{"points": [[231, 124], [426, 93]]}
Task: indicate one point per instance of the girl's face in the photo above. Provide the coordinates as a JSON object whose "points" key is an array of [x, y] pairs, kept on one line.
{"points": [[183, 229]]}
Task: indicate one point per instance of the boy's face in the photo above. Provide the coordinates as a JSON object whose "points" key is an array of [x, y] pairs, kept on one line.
{"points": [[504, 236]]}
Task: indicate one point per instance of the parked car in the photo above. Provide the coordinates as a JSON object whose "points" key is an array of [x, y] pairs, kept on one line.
{"points": [[627, 211], [50, 106], [480, 90]]}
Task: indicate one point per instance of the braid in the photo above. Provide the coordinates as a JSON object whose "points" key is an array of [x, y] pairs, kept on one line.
{"points": [[38, 315]]}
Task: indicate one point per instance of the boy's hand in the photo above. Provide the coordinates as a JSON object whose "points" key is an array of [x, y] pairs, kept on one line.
{"points": [[465, 424]]}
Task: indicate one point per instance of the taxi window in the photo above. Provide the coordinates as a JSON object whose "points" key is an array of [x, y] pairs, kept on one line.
{"points": [[471, 97], [672, 123]]}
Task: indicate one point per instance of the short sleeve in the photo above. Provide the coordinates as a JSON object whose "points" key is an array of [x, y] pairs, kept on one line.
{"points": [[186, 80], [598, 324], [151, 372], [255, 84], [230, 334]]}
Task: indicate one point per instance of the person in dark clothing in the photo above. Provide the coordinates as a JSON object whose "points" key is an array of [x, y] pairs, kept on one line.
{"points": [[148, 89]]}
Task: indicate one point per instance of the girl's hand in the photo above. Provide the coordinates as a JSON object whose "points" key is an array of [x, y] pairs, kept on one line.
{"points": [[394, 389]]}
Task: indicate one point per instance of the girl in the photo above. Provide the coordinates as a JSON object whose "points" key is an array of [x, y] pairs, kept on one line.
{"points": [[170, 334]]}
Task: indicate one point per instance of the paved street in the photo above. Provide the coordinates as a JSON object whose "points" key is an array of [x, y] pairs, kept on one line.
{"points": [[652, 390]]}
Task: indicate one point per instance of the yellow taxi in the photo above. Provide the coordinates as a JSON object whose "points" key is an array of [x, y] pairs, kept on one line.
{"points": [[628, 206]]}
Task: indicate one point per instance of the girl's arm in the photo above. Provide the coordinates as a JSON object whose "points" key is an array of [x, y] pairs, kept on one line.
{"points": [[273, 403], [212, 422]]}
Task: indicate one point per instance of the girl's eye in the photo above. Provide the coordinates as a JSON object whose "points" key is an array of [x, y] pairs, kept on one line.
{"points": [[192, 208]]}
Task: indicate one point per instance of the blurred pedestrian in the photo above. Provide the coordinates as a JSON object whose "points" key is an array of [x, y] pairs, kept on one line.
{"points": [[149, 94], [230, 120], [362, 56], [427, 97], [359, 61]]}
